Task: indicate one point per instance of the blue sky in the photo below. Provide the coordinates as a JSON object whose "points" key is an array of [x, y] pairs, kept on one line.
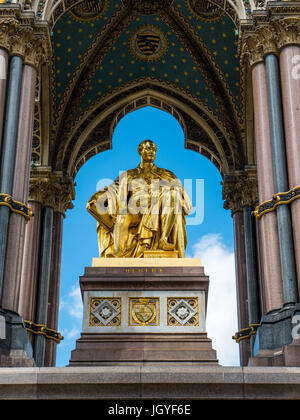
{"points": [[212, 240]]}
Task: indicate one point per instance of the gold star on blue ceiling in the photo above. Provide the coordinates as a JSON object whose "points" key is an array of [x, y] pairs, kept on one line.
{"points": [[122, 64]]}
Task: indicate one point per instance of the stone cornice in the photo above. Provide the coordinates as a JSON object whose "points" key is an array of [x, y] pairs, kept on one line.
{"points": [[21, 34], [51, 189]]}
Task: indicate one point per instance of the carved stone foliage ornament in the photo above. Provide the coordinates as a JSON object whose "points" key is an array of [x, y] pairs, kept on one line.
{"points": [[147, 7], [105, 312], [240, 190], [20, 35], [52, 190], [183, 311], [264, 37]]}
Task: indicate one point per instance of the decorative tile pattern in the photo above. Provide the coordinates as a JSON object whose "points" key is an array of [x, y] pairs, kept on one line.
{"points": [[144, 311], [105, 312], [183, 311]]}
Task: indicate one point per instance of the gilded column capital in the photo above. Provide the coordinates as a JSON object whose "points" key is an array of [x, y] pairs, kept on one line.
{"points": [[239, 190], [52, 190]]}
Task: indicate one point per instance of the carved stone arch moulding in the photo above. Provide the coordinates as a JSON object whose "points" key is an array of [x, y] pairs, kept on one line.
{"points": [[171, 94], [202, 132], [148, 100], [52, 10]]}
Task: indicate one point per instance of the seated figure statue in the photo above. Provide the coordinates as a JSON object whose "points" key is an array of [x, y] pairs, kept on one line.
{"points": [[143, 209]]}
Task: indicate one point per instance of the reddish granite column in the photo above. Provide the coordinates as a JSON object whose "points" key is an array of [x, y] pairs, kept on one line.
{"points": [[54, 287], [290, 83], [17, 222], [241, 283], [3, 79], [30, 266], [266, 188]]}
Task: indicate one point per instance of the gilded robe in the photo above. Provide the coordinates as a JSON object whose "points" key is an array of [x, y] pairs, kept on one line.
{"points": [[155, 205]]}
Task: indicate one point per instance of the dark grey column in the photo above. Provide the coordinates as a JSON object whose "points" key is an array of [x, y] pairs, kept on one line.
{"points": [[43, 284], [285, 234], [8, 151], [251, 270]]}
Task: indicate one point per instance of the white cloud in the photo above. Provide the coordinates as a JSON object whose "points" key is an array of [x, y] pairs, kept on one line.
{"points": [[219, 265], [72, 334], [73, 303]]}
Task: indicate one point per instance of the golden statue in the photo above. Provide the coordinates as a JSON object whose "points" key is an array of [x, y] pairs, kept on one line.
{"points": [[143, 210]]}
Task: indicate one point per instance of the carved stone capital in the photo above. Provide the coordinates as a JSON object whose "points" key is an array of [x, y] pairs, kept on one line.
{"points": [[240, 190], [287, 29], [251, 49], [21, 35], [258, 42], [52, 190]]}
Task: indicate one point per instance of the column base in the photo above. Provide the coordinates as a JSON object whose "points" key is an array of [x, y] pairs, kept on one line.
{"points": [[288, 355], [277, 340], [15, 347]]}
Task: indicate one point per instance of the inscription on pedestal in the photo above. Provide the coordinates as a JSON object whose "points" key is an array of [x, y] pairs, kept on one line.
{"points": [[143, 270]]}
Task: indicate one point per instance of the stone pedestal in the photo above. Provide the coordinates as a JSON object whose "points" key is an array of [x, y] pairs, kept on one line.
{"points": [[150, 310]]}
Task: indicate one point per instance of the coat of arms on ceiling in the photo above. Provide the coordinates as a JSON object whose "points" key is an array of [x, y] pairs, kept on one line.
{"points": [[148, 43], [88, 10], [205, 10]]}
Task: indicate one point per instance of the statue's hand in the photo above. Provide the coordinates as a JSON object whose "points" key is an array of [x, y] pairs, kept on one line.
{"points": [[91, 204]]}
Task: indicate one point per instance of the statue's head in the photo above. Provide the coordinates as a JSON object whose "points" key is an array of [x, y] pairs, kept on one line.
{"points": [[147, 150]]}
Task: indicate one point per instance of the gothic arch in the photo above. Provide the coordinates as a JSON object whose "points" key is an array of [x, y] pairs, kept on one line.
{"points": [[203, 130], [67, 128]]}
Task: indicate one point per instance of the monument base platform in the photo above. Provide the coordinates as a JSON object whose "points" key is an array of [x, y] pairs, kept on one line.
{"points": [[143, 383], [144, 311]]}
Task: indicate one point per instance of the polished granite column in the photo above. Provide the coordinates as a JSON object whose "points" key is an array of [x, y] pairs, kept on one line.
{"points": [[268, 222], [43, 283], [3, 83], [8, 153], [251, 270], [241, 283], [290, 84], [285, 234], [54, 286], [30, 266], [20, 188]]}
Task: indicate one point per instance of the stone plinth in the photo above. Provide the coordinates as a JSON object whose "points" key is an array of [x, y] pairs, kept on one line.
{"points": [[144, 311], [141, 383]]}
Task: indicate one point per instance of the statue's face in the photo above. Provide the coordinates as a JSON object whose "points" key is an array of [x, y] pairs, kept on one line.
{"points": [[148, 152]]}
